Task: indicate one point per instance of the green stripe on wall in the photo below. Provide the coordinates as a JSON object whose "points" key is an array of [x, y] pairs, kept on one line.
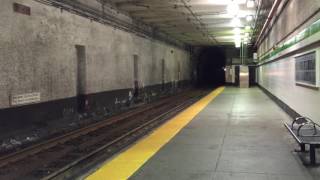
{"points": [[308, 32]]}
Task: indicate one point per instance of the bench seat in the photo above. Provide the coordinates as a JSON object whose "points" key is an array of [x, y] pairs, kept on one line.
{"points": [[305, 136]]}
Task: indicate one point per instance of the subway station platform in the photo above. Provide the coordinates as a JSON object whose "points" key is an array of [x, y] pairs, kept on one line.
{"points": [[232, 134]]}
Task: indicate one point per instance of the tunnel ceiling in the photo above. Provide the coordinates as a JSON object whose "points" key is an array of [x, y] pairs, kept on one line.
{"points": [[195, 22]]}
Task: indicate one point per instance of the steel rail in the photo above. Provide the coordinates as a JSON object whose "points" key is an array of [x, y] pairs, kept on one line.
{"points": [[174, 110], [34, 149]]}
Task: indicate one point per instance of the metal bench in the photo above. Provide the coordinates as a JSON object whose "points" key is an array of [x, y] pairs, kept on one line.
{"points": [[305, 132]]}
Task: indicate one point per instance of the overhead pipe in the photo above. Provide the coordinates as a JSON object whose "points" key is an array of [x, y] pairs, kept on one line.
{"points": [[257, 13], [268, 20]]}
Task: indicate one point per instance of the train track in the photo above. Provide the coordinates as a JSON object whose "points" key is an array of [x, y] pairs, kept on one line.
{"points": [[61, 157]]}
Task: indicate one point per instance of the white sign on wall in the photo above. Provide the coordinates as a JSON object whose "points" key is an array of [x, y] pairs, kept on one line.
{"points": [[27, 98], [255, 56]]}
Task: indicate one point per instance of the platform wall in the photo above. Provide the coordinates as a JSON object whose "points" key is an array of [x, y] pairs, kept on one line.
{"points": [[38, 55], [276, 71], [292, 19]]}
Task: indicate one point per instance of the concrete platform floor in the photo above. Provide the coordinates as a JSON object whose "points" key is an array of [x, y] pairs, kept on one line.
{"points": [[238, 136]]}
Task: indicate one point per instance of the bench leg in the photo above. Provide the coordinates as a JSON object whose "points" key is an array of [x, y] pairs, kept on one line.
{"points": [[312, 154], [302, 147]]}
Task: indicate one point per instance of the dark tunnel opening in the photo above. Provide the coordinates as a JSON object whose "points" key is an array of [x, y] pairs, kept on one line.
{"points": [[210, 67]]}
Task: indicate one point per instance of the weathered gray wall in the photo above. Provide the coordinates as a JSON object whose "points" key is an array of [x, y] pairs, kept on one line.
{"points": [[278, 75], [38, 54], [295, 13]]}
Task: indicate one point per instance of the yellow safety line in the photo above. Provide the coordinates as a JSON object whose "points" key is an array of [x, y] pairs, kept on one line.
{"points": [[125, 164]]}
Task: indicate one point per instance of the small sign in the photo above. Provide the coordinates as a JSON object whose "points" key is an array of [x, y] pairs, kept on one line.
{"points": [[23, 99], [255, 56]]}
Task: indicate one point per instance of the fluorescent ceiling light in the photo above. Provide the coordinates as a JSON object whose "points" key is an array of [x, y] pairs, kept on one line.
{"points": [[236, 22], [216, 2], [249, 18], [237, 31], [233, 8], [250, 3], [237, 39], [223, 2], [237, 36], [238, 45]]}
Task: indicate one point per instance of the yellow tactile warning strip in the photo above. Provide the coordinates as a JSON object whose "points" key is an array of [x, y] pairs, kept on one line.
{"points": [[128, 162]]}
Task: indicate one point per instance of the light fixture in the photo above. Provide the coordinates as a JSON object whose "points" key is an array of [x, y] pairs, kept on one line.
{"points": [[236, 22], [250, 3], [249, 18], [237, 40], [237, 31], [237, 37], [238, 45], [233, 8]]}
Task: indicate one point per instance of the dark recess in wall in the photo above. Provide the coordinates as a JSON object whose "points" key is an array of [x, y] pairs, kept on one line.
{"points": [[22, 9], [210, 67]]}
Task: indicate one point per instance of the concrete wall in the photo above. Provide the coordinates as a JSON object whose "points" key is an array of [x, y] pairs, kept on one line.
{"points": [[294, 13], [38, 54], [277, 74], [279, 79]]}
